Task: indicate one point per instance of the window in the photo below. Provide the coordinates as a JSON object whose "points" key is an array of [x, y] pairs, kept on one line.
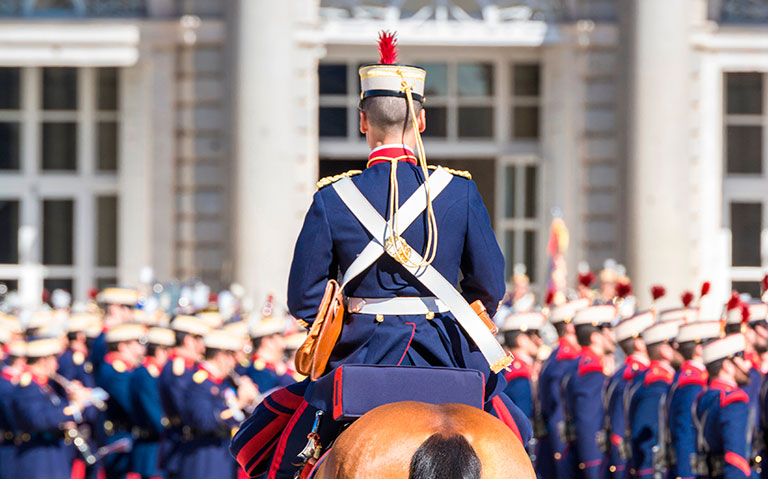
{"points": [[462, 100], [71, 117], [744, 123], [520, 224], [745, 190], [10, 117], [9, 231], [746, 226]]}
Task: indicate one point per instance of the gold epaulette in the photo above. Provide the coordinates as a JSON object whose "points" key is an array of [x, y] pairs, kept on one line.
{"points": [[462, 173], [332, 179]]}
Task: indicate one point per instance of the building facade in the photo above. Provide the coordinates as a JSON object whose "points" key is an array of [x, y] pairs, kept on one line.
{"points": [[188, 135]]}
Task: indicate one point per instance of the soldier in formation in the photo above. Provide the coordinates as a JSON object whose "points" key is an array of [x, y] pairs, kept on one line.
{"points": [[118, 391]]}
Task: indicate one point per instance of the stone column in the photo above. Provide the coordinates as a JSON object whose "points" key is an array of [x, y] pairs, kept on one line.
{"points": [[275, 141], [659, 213]]}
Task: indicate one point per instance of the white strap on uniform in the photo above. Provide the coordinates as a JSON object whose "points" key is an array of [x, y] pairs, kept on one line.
{"points": [[406, 215], [428, 276], [395, 306]]}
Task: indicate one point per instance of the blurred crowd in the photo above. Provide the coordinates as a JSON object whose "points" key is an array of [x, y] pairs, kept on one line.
{"points": [[136, 383]]}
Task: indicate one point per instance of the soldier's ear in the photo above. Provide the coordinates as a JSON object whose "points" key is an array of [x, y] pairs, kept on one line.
{"points": [[422, 120], [363, 123]]}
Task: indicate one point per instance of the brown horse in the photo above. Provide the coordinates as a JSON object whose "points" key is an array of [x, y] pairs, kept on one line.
{"points": [[422, 441]]}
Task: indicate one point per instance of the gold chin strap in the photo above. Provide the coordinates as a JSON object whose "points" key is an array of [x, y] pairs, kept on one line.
{"points": [[394, 244]]}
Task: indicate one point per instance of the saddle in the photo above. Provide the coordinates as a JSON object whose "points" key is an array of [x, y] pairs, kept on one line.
{"points": [[355, 389]]}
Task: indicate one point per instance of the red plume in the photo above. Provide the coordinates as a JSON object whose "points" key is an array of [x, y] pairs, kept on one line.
{"points": [[734, 302], [93, 292], [550, 296], [764, 283], [46, 295], [586, 279], [744, 313], [705, 287], [687, 298], [387, 48], [658, 291], [623, 289]]}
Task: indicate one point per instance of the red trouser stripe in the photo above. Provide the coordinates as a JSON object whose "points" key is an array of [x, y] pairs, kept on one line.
{"points": [[505, 416], [278, 458], [738, 462]]}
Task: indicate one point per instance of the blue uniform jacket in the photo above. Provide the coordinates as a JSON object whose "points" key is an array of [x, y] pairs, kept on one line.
{"points": [[8, 382], [723, 410], [265, 377], [689, 383], [519, 387], [114, 376], [39, 411], [173, 383], [330, 240], [647, 413], [207, 454], [549, 457], [583, 396], [148, 417], [616, 423]]}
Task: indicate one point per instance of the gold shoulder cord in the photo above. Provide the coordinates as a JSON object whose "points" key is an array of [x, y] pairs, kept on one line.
{"points": [[394, 244]]}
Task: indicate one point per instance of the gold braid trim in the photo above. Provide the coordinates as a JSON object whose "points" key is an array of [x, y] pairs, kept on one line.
{"points": [[332, 179], [462, 173]]}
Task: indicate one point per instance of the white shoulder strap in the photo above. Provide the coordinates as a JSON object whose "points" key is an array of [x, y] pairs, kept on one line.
{"points": [[428, 276], [407, 214]]}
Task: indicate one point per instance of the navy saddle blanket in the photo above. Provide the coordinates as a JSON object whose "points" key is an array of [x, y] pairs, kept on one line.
{"points": [[354, 389]]}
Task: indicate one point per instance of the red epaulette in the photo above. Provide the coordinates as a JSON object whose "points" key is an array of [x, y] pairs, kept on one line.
{"points": [[737, 395], [566, 352], [588, 364], [690, 376], [657, 373], [518, 369]]}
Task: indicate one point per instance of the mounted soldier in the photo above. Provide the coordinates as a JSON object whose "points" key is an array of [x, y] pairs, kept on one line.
{"points": [[401, 235]]}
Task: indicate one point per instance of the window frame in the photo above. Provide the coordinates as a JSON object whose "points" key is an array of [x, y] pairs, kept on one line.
{"points": [[31, 185]]}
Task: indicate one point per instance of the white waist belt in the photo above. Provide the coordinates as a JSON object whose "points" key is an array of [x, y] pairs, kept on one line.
{"points": [[395, 306]]}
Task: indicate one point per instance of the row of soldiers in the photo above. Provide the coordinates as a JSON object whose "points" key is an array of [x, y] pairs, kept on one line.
{"points": [[129, 394], [688, 400]]}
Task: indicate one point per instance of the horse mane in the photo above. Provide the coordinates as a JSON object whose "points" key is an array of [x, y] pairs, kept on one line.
{"points": [[445, 457]]}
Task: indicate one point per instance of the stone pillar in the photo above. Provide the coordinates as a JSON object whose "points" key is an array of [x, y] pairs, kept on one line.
{"points": [[275, 141], [659, 213]]}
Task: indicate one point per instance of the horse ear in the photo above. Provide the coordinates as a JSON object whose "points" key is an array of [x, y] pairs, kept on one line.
{"points": [[450, 457]]}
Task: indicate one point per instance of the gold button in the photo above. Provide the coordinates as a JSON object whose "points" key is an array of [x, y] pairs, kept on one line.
{"points": [[758, 459], [430, 315], [108, 425], [558, 456], [632, 471], [25, 437], [612, 468], [582, 466], [379, 318]]}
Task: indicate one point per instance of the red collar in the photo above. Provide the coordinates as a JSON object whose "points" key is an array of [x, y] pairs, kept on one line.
{"points": [[386, 153], [723, 385], [659, 371], [150, 361], [754, 358], [188, 363], [689, 365], [213, 377], [11, 374], [634, 364], [566, 350]]}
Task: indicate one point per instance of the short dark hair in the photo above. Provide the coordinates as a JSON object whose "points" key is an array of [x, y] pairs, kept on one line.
{"points": [[715, 367], [654, 351], [389, 113], [180, 335], [256, 342], [584, 334], [561, 328], [627, 345], [687, 349], [211, 353], [112, 347], [510, 338]]}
